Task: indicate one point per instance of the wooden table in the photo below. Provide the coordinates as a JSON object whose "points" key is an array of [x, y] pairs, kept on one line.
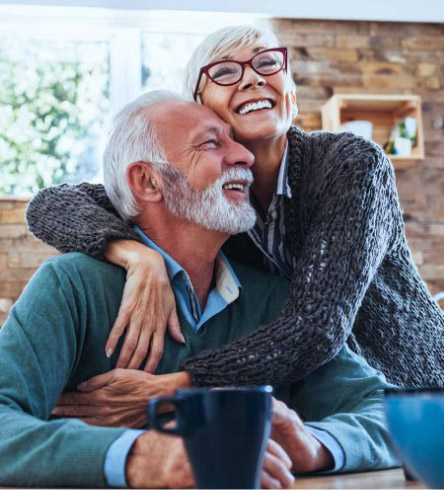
{"points": [[373, 479]]}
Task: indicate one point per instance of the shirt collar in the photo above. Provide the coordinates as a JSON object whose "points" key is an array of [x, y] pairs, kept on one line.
{"points": [[282, 186], [227, 283]]}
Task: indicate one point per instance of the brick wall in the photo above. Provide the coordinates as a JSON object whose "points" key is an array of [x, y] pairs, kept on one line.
{"points": [[327, 57], [330, 57], [20, 253]]}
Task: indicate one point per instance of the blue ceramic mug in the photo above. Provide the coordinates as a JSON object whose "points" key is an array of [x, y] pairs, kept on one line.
{"points": [[416, 423], [225, 432]]}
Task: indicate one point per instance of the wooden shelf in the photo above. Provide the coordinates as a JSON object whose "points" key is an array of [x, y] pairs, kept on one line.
{"points": [[384, 111]]}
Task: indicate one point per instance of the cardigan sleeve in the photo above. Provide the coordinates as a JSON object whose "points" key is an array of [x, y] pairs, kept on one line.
{"points": [[77, 218], [348, 237]]}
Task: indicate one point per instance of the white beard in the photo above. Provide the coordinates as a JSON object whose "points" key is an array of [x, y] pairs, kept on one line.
{"points": [[209, 208]]}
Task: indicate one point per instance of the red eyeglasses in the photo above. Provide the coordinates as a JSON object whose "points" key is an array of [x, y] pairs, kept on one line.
{"points": [[229, 72]]}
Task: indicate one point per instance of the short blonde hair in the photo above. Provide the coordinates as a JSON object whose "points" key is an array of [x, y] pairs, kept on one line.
{"points": [[221, 43]]}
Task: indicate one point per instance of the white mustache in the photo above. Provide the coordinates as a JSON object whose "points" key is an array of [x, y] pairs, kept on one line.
{"points": [[236, 174]]}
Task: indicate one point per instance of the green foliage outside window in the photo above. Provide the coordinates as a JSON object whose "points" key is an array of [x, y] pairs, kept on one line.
{"points": [[51, 115]]}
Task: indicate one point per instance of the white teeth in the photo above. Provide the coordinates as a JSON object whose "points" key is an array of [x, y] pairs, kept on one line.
{"points": [[238, 187], [255, 106]]}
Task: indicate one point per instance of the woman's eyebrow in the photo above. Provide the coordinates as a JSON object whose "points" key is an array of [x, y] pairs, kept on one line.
{"points": [[255, 50]]}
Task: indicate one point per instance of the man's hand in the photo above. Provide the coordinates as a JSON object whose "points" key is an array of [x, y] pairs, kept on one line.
{"points": [[158, 461], [118, 398], [276, 469], [305, 451]]}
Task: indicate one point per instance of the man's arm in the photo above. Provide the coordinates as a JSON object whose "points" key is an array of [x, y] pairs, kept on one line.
{"points": [[40, 345], [345, 399]]}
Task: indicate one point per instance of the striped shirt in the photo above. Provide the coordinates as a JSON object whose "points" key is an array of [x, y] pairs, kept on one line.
{"points": [[269, 230]]}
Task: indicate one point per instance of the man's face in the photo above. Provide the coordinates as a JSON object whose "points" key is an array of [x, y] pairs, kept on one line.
{"points": [[209, 177]]}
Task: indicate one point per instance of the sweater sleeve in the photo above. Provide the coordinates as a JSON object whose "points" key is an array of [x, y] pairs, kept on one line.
{"points": [[348, 237], [40, 346], [345, 398], [77, 218]]}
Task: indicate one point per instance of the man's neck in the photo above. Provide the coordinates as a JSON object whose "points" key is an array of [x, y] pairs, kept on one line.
{"points": [[193, 248], [267, 160]]}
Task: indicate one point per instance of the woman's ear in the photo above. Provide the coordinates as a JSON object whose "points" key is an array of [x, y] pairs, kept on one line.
{"points": [[143, 182]]}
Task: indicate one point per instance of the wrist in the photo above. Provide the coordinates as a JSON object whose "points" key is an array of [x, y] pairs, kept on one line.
{"points": [[138, 473], [322, 458], [130, 254], [183, 380], [177, 381]]}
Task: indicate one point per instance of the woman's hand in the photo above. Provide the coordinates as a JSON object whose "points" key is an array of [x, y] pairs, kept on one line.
{"points": [[307, 454], [118, 398], [148, 306]]}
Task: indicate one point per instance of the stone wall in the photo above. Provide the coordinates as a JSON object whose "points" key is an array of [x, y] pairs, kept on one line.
{"points": [[20, 253], [327, 57]]}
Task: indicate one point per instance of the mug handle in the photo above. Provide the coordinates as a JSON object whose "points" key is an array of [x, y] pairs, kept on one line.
{"points": [[153, 416]]}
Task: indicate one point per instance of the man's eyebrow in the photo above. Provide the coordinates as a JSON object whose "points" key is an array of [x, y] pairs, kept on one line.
{"points": [[201, 135]]}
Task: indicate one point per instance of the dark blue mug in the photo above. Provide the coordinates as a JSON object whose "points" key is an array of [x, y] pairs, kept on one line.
{"points": [[225, 432]]}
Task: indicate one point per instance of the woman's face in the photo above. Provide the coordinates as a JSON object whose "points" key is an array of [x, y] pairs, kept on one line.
{"points": [[256, 125]]}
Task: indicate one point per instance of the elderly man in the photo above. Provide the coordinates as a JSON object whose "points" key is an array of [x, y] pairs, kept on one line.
{"points": [[173, 167]]}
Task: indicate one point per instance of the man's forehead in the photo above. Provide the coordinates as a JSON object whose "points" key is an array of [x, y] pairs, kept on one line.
{"points": [[194, 118]]}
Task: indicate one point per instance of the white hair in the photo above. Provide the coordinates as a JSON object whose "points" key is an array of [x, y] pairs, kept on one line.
{"points": [[222, 43], [133, 139]]}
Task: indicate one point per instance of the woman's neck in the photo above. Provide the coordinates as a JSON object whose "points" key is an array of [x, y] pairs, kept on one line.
{"points": [[267, 160]]}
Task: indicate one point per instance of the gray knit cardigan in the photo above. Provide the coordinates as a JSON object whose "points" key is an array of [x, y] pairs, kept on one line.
{"points": [[354, 279]]}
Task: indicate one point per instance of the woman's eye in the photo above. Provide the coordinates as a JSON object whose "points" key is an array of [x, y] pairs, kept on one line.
{"points": [[221, 72], [267, 62]]}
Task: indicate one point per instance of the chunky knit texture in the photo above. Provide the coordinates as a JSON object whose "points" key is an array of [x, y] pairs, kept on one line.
{"points": [[354, 280]]}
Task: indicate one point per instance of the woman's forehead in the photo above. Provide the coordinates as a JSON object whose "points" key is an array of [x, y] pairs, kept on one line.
{"points": [[240, 53]]}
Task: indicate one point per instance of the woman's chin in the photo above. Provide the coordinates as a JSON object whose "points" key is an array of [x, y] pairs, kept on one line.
{"points": [[259, 133]]}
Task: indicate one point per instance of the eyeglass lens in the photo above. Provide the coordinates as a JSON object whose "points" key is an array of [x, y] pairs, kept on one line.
{"points": [[230, 72]]}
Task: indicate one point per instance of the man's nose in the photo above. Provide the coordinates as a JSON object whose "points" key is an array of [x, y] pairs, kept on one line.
{"points": [[251, 79], [239, 155]]}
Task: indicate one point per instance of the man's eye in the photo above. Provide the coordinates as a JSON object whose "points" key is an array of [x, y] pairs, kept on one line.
{"points": [[211, 142]]}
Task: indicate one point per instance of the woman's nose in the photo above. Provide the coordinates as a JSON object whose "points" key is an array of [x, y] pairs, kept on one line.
{"points": [[251, 79]]}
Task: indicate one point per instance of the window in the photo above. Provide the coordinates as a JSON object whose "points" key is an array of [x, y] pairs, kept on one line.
{"points": [[64, 72]]}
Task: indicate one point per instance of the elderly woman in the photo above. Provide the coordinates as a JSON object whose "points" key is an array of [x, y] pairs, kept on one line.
{"points": [[328, 217]]}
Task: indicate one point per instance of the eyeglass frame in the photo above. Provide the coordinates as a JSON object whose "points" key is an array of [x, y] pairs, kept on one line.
{"points": [[204, 69]]}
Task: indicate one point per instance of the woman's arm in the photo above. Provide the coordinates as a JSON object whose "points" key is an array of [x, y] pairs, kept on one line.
{"points": [[77, 218], [346, 242], [81, 218]]}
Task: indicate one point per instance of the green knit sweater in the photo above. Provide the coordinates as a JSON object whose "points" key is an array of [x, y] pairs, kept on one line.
{"points": [[55, 336]]}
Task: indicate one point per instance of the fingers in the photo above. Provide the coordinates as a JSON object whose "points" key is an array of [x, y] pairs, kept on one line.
{"points": [[174, 327], [267, 481], [156, 352], [276, 469], [141, 350], [129, 345], [78, 411], [276, 450], [74, 398], [119, 327], [97, 382]]}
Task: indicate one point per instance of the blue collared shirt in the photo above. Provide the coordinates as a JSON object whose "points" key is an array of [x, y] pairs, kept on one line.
{"points": [[227, 289]]}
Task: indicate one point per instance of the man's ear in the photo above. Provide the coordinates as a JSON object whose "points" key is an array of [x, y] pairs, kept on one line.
{"points": [[144, 182]]}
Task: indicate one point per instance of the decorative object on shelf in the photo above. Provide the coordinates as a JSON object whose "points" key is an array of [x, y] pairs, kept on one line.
{"points": [[360, 128], [402, 138], [384, 112]]}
